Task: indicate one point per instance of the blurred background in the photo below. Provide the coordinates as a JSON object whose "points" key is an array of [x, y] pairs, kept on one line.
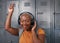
{"points": [[46, 12]]}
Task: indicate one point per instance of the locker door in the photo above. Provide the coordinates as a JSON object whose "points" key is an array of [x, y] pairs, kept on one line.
{"points": [[2, 13], [57, 21], [43, 16], [52, 38], [2, 21], [5, 37], [27, 5], [14, 23]]}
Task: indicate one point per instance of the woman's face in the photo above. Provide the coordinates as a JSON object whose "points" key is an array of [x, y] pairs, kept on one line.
{"points": [[25, 21]]}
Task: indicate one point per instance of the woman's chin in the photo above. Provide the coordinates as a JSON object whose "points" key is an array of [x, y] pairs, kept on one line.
{"points": [[27, 29]]}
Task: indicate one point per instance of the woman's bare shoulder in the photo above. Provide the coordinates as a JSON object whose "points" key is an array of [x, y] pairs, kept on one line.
{"points": [[41, 31]]}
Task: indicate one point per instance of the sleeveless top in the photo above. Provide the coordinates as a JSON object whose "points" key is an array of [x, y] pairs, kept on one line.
{"points": [[26, 36]]}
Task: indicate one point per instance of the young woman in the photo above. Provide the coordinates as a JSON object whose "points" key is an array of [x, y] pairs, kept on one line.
{"points": [[28, 35]]}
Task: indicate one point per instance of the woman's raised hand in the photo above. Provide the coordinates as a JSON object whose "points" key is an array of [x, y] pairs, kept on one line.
{"points": [[11, 8]]}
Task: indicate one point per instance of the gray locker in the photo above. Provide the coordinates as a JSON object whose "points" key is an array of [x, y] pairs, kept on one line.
{"points": [[27, 5], [43, 13], [57, 21], [43, 16], [5, 37], [14, 20]]}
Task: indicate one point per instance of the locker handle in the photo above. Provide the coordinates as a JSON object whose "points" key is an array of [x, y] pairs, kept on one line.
{"points": [[56, 13], [9, 41], [39, 12]]}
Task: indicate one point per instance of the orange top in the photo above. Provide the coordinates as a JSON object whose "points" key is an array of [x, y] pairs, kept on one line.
{"points": [[26, 36]]}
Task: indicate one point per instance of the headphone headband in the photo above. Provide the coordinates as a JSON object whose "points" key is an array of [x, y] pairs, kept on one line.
{"points": [[27, 13]]}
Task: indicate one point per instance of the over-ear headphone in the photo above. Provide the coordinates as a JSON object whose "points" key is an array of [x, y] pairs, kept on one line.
{"points": [[32, 17]]}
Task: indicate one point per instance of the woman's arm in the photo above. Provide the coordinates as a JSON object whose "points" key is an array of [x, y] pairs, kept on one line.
{"points": [[8, 21], [39, 39], [41, 35]]}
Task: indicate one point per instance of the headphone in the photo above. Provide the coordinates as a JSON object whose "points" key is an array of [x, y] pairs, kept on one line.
{"points": [[32, 17]]}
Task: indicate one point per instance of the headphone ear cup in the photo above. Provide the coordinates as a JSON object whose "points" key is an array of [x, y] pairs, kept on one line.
{"points": [[32, 22], [19, 20]]}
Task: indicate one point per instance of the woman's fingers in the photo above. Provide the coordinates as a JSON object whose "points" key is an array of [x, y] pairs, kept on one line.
{"points": [[11, 6]]}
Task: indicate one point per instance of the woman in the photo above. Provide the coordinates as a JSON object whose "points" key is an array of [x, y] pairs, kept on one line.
{"points": [[28, 35]]}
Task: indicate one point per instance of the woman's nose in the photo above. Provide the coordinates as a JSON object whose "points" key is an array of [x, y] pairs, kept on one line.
{"points": [[24, 22]]}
